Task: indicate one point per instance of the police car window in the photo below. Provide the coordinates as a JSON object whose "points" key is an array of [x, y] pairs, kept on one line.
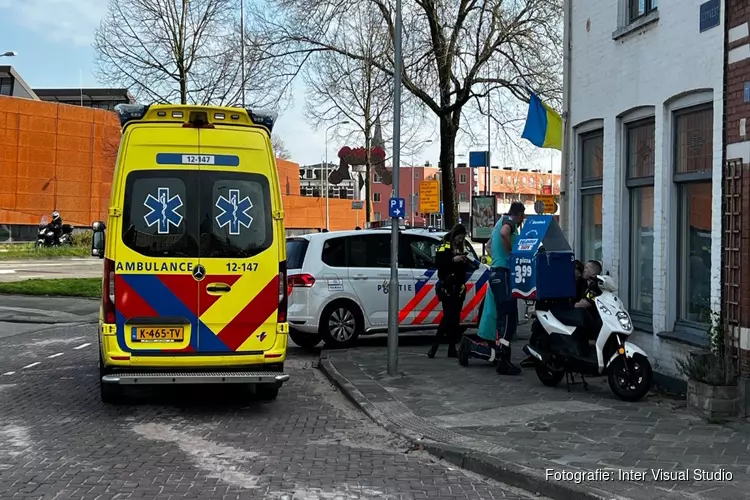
{"points": [[372, 250], [334, 252], [236, 220], [423, 252], [157, 219], [296, 249]]}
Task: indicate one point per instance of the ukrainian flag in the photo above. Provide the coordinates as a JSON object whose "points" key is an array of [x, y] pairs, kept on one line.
{"points": [[543, 125]]}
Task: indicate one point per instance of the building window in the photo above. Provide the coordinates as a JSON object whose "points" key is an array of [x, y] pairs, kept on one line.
{"points": [[494, 179], [376, 197], [640, 182], [693, 167], [638, 8], [531, 182], [462, 197], [592, 167], [376, 178], [377, 215], [6, 85], [462, 179], [416, 174]]}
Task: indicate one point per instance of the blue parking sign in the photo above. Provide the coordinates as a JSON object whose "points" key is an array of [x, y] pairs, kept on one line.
{"points": [[396, 207]]}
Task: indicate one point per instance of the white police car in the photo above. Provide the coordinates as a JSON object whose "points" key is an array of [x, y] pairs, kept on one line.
{"points": [[338, 285]]}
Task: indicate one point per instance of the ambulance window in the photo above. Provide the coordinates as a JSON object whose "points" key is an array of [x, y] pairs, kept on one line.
{"points": [[236, 219], [155, 214]]}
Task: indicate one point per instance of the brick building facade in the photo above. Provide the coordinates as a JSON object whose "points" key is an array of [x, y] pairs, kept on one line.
{"points": [[737, 178]]}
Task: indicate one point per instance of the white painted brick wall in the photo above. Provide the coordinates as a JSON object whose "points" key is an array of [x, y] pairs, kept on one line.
{"points": [[654, 66]]}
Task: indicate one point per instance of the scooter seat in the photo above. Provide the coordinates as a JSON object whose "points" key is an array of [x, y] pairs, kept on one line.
{"points": [[571, 317]]}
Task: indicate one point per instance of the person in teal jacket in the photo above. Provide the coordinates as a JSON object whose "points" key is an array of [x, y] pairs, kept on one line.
{"points": [[504, 236]]}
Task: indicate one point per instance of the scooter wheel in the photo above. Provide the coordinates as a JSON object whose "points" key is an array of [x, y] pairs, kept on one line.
{"points": [[547, 376], [634, 387]]}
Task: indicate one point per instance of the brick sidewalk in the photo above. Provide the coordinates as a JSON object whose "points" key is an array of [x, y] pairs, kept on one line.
{"points": [[514, 428]]}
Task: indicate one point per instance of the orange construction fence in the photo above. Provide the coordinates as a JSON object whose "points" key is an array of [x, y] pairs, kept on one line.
{"points": [[58, 156]]}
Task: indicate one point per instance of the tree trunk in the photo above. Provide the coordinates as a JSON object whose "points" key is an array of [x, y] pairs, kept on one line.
{"points": [[448, 131], [368, 193]]}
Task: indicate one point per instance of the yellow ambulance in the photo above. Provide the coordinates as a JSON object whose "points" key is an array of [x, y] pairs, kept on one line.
{"points": [[194, 287]]}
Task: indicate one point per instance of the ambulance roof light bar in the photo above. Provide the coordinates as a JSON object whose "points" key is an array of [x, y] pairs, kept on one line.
{"points": [[129, 112], [264, 118]]}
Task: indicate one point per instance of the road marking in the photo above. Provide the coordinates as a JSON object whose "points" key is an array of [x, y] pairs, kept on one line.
{"points": [[55, 355], [9, 373], [82, 346], [32, 365], [7, 271]]}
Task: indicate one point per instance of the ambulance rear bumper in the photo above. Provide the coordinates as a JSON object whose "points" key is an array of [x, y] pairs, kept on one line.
{"points": [[169, 378]]}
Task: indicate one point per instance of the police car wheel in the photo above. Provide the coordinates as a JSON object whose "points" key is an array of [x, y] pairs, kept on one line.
{"points": [[340, 325]]}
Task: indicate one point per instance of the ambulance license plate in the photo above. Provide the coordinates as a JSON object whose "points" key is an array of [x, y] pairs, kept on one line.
{"points": [[157, 334]]}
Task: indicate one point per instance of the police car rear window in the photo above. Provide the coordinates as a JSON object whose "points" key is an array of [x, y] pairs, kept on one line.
{"points": [[170, 213], [296, 248]]}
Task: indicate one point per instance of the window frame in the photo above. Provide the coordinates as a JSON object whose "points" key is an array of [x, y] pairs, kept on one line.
{"points": [[462, 178], [376, 197], [643, 320], [680, 180], [588, 186], [648, 7]]}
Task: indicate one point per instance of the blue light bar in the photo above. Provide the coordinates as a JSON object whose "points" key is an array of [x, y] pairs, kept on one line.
{"points": [[265, 119], [129, 112]]}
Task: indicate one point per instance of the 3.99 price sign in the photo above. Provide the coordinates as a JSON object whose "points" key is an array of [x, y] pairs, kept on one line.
{"points": [[522, 273]]}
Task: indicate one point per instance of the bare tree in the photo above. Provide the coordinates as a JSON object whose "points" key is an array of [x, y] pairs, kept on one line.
{"points": [[185, 51], [340, 88], [454, 51], [279, 147]]}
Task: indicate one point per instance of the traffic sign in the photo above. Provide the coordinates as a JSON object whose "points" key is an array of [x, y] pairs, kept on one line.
{"points": [[396, 207], [429, 197], [358, 205], [545, 204]]}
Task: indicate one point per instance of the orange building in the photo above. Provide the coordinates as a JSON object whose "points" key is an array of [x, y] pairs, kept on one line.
{"points": [[61, 157]]}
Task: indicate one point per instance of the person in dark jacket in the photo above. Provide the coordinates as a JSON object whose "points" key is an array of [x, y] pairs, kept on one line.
{"points": [[452, 260]]}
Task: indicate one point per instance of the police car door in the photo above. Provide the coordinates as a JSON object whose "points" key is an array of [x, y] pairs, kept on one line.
{"points": [[369, 258], [423, 307]]}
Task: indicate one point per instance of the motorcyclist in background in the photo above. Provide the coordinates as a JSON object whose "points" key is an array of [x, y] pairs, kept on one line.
{"points": [[55, 225]]}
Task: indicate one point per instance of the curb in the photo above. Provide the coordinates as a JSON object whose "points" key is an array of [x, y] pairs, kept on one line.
{"points": [[512, 474]]}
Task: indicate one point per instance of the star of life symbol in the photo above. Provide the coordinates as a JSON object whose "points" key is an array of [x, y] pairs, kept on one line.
{"points": [[234, 212], [163, 210]]}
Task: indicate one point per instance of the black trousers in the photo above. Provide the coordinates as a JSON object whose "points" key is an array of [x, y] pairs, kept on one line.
{"points": [[450, 325]]}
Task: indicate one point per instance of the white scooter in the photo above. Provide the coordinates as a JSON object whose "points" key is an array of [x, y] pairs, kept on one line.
{"points": [[560, 344]]}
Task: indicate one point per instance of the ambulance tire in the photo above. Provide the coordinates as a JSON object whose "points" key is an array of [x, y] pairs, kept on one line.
{"points": [[267, 392], [341, 324], [110, 393]]}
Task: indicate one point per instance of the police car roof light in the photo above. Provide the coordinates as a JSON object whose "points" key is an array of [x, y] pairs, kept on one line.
{"points": [[266, 119], [129, 112]]}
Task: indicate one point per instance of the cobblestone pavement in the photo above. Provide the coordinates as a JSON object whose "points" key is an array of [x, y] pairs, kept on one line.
{"points": [[58, 441], [520, 421]]}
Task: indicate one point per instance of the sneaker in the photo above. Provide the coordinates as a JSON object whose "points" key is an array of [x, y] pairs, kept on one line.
{"points": [[464, 351], [505, 367]]}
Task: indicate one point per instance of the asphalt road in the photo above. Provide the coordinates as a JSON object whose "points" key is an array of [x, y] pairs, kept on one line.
{"points": [[17, 270], [58, 441]]}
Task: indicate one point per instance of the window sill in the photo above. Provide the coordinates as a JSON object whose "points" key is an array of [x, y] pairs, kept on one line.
{"points": [[687, 338], [638, 24], [642, 322]]}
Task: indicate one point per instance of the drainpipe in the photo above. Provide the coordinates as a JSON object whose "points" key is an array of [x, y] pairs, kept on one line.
{"points": [[565, 195]]}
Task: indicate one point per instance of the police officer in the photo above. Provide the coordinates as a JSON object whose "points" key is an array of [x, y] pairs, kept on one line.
{"points": [[453, 261]]}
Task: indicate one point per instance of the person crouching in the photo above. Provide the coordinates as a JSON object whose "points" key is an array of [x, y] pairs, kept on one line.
{"points": [[452, 264]]}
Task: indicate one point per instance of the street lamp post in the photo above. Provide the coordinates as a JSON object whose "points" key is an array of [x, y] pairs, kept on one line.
{"points": [[411, 199], [345, 122]]}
